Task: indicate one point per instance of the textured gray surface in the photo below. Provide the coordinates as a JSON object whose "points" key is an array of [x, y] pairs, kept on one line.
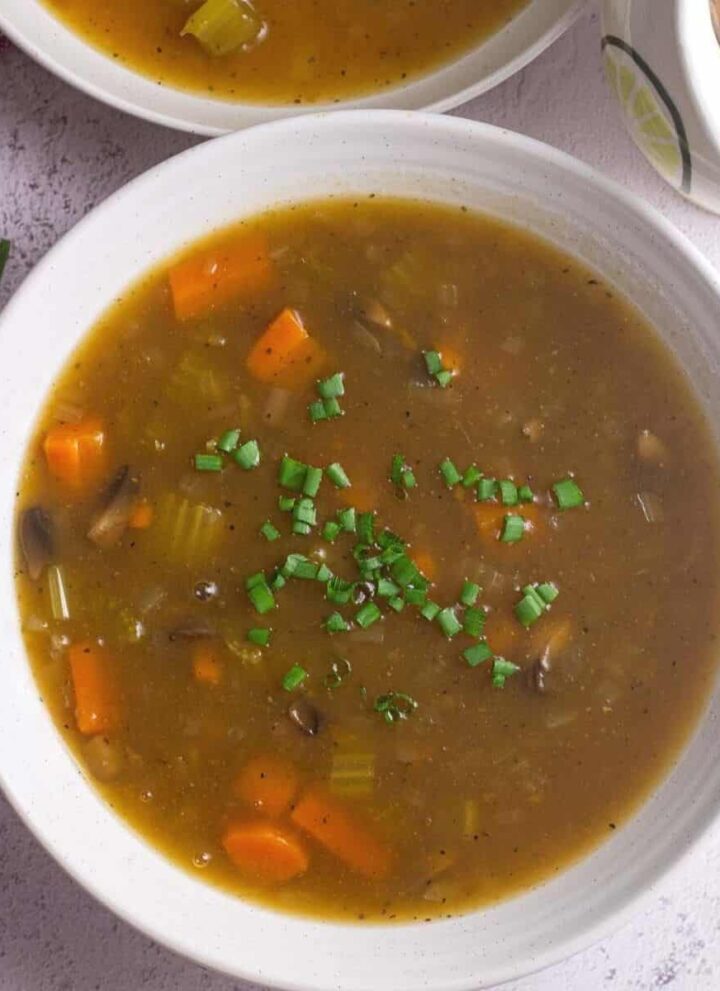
{"points": [[61, 153]]}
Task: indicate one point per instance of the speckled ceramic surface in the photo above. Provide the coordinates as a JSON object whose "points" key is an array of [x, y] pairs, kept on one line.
{"points": [[62, 153], [662, 59], [31, 25]]}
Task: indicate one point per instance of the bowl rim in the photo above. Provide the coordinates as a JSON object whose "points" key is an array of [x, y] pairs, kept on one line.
{"points": [[612, 917], [83, 81]]}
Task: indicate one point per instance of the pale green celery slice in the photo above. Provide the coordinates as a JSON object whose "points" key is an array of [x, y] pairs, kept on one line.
{"points": [[57, 592], [352, 774], [185, 532], [223, 26]]}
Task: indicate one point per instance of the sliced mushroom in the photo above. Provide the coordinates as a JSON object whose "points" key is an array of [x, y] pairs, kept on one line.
{"points": [[305, 716], [372, 311], [192, 630], [36, 540], [121, 500], [537, 673]]}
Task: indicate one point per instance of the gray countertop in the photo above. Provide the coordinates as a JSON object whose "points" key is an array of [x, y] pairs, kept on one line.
{"points": [[62, 153]]}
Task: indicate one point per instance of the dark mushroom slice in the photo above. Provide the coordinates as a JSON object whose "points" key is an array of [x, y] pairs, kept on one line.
{"points": [[305, 716], [192, 630], [36, 540], [120, 502]]}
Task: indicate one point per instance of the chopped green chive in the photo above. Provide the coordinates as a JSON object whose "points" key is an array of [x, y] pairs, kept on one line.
{"points": [[228, 441], [367, 615], [333, 387], [301, 529], [387, 589], [449, 472], [397, 603], [313, 478], [471, 477], [299, 566], [259, 635], [486, 489], [548, 592], [336, 473], [323, 574], [528, 610], [408, 479], [332, 408], [331, 531], [433, 362], [317, 411], [294, 678], [347, 518], [335, 623], [247, 455], [259, 593], [508, 492], [338, 591], [304, 511], [394, 706], [366, 528], [401, 474], [568, 494], [430, 610], [208, 462], [474, 621], [525, 493], [477, 654], [416, 596], [269, 531], [513, 529], [502, 670], [533, 593], [448, 622], [291, 473], [444, 378], [469, 593], [286, 503], [277, 581]]}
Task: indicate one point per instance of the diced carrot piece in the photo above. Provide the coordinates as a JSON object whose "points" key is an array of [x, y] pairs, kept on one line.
{"points": [[265, 850], [97, 696], [285, 355], [215, 277], [489, 517], [267, 783], [426, 563], [503, 633], [206, 665], [334, 826], [142, 516], [75, 452]]}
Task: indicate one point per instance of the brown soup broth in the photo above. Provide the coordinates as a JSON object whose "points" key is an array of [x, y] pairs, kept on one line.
{"points": [[310, 52], [482, 790]]}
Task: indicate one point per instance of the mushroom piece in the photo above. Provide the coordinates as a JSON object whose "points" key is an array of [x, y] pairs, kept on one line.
{"points": [[36, 540], [121, 500], [305, 716], [191, 630]]}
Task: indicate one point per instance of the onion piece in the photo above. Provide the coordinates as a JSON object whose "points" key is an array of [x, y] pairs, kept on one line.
{"points": [[110, 523], [651, 506], [650, 448], [275, 406], [36, 540]]}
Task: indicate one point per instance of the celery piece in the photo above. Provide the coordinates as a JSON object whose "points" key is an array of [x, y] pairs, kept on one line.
{"points": [[352, 774], [223, 26], [184, 532], [57, 593]]}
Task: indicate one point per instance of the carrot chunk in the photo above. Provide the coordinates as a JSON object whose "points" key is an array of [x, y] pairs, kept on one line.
{"points": [[334, 826], [213, 278], [206, 665], [426, 563], [97, 695], [142, 516], [267, 783], [265, 850], [285, 355], [75, 452]]}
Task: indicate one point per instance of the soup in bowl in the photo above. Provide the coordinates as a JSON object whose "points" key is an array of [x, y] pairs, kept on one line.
{"points": [[364, 551], [225, 64]]}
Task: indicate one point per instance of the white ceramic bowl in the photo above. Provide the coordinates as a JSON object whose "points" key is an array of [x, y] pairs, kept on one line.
{"points": [[387, 152], [30, 25], [665, 54]]}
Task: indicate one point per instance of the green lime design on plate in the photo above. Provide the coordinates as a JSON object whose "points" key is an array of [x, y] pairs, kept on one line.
{"points": [[648, 119]]}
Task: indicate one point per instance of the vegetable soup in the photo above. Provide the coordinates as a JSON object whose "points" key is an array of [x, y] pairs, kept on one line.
{"points": [[276, 52], [368, 559]]}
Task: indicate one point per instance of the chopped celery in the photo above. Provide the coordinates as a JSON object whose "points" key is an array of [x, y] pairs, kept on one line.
{"points": [[185, 532], [195, 381], [471, 818], [352, 774], [57, 593], [223, 26]]}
